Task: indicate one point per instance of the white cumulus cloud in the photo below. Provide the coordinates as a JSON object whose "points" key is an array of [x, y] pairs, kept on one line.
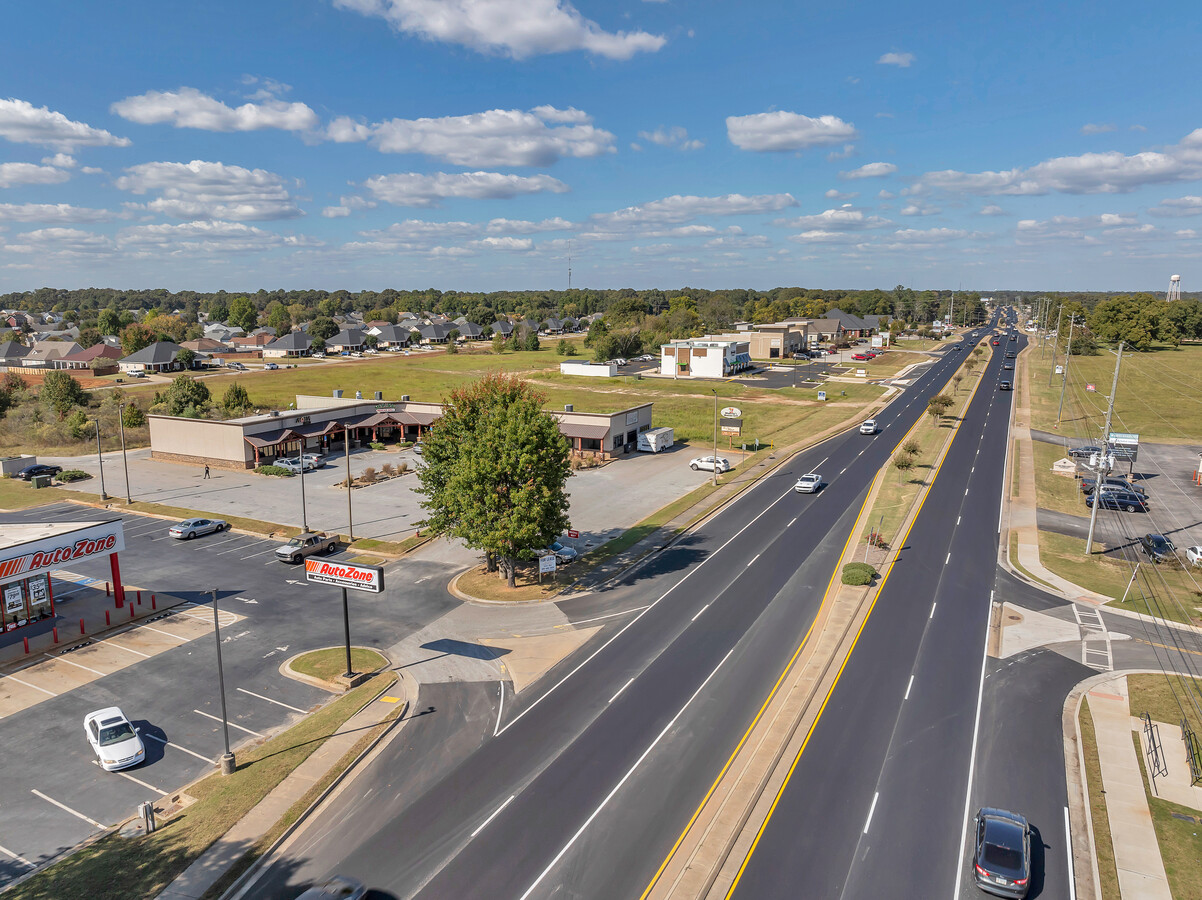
{"points": [[835, 220], [210, 190], [17, 173], [1180, 206], [62, 213], [901, 60], [780, 130], [23, 123], [521, 226], [516, 28], [871, 170], [415, 189], [678, 209], [672, 137], [190, 108], [208, 237]]}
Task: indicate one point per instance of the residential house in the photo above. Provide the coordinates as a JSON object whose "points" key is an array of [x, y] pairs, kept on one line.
{"points": [[224, 333], [63, 334], [393, 336], [157, 357], [503, 327], [12, 353], [854, 326], [296, 343], [48, 353], [553, 326], [99, 358], [436, 332], [256, 341], [349, 340], [470, 331], [205, 345]]}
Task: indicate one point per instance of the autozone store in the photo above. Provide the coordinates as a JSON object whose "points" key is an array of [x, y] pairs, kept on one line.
{"points": [[28, 554]]}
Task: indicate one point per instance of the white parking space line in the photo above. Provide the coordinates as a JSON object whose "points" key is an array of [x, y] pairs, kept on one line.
{"points": [[236, 537], [269, 700], [243, 547], [167, 743], [166, 633], [126, 775], [231, 724], [17, 857], [260, 553], [119, 647], [66, 808], [28, 685], [54, 658]]}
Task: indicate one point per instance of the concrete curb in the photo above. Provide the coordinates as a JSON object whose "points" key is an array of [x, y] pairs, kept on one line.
{"points": [[288, 672]]}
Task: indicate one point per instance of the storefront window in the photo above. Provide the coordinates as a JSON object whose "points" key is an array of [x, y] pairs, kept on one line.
{"points": [[39, 596], [590, 444], [14, 605]]}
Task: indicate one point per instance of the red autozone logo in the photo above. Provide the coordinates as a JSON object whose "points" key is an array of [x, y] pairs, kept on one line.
{"points": [[42, 558], [332, 571]]}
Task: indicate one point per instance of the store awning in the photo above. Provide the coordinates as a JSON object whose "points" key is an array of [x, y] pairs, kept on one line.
{"points": [[743, 358], [577, 430], [269, 438]]}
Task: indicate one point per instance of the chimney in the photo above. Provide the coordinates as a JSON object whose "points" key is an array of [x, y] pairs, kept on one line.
{"points": [[379, 395], [337, 393], [567, 407]]}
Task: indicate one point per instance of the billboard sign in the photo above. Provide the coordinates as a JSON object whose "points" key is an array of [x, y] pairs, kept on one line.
{"points": [[732, 412], [345, 575]]}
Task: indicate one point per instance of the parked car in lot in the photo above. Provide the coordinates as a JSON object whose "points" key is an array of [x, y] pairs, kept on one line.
{"points": [[190, 528], [808, 484], [1156, 547], [1089, 485], [294, 465], [710, 463], [868, 426], [1128, 501], [1084, 452], [30, 472], [563, 552], [1194, 555], [271, 366], [306, 544], [801, 354], [1005, 386], [114, 739], [314, 460], [1002, 858], [861, 356]]}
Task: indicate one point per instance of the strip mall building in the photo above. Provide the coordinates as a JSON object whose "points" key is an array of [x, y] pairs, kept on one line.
{"points": [[29, 552], [325, 423]]}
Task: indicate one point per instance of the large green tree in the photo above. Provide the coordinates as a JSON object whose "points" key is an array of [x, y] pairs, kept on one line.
{"points": [[496, 471], [186, 397], [109, 321], [62, 392], [243, 314]]}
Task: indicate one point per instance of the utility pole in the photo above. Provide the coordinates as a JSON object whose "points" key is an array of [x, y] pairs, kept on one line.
{"points": [[124, 457], [305, 506], [1064, 377], [228, 764], [1097, 491], [350, 522], [100, 459], [1055, 340], [715, 391]]}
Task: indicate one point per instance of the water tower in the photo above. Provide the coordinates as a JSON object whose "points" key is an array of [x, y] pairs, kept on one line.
{"points": [[1174, 288]]}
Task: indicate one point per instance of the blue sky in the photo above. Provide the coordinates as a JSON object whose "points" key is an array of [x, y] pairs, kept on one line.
{"points": [[462, 144]]}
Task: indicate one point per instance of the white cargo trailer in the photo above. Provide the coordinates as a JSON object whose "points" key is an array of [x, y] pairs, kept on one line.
{"points": [[656, 439]]}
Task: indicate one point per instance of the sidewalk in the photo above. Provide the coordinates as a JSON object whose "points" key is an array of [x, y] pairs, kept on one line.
{"points": [[228, 849], [1136, 852]]}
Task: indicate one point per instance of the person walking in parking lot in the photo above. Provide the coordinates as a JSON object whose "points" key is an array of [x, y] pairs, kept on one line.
{"points": [[206, 470]]}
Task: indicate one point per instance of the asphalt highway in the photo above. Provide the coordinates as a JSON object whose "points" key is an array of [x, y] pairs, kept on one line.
{"points": [[580, 788]]}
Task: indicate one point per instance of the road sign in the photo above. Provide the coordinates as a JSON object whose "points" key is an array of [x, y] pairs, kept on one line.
{"points": [[732, 412], [572, 533], [546, 564], [345, 575]]}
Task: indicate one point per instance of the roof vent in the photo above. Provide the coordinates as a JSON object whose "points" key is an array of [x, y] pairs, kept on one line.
{"points": [[338, 393], [379, 395], [567, 407]]}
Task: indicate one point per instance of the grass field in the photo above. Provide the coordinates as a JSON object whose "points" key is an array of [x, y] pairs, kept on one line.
{"points": [[1159, 395], [1178, 836], [1058, 492], [330, 663], [1103, 844]]}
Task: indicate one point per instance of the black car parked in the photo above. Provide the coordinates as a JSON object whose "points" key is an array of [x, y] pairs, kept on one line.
{"points": [[29, 472], [1129, 501], [1088, 485], [1156, 547]]}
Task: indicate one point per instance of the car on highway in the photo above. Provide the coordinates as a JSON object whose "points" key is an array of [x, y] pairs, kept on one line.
{"points": [[1005, 386], [808, 484], [31, 472], [337, 888], [1002, 855], [868, 426], [237, 366], [1010, 355], [710, 463], [1194, 555], [1008, 367], [190, 528], [1156, 547], [1084, 452], [114, 739], [1128, 501], [995, 343]]}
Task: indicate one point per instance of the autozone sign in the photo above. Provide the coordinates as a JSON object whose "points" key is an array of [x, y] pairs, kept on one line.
{"points": [[60, 550], [345, 575]]}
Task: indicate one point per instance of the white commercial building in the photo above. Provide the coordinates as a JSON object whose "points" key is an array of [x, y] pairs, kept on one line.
{"points": [[587, 369], [704, 357]]}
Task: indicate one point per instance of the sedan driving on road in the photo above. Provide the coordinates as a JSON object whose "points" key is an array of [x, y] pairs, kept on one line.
{"points": [[190, 528], [1002, 859], [1157, 547], [808, 484], [1005, 386], [337, 888], [114, 740], [710, 463]]}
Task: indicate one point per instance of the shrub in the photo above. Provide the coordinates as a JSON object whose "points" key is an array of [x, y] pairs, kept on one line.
{"points": [[132, 416], [376, 445], [272, 470], [72, 475], [369, 475], [858, 574], [402, 467], [387, 469], [405, 445]]}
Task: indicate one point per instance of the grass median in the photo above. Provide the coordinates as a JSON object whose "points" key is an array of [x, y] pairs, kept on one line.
{"points": [[1103, 844], [116, 868], [328, 664]]}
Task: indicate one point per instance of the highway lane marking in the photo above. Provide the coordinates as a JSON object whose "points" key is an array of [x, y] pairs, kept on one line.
{"points": [[269, 700], [231, 724], [624, 612], [65, 808], [957, 521], [699, 612], [500, 708], [908, 686], [844, 469], [644, 612], [794, 520], [129, 777], [54, 658], [871, 810], [17, 857], [972, 758], [949, 558], [966, 492], [622, 688], [1068, 851], [819, 466], [496, 813], [753, 559], [28, 685], [596, 812], [167, 743], [932, 615]]}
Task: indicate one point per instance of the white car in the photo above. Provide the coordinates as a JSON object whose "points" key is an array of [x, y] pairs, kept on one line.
{"points": [[294, 465], [114, 740], [710, 463], [1194, 555], [869, 427], [190, 528], [314, 461], [808, 484]]}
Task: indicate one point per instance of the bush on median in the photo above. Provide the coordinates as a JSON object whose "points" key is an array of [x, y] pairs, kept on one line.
{"points": [[272, 470], [858, 574], [72, 475]]}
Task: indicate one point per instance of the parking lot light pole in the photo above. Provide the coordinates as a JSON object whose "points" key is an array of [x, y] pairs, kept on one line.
{"points": [[304, 506], [100, 458], [228, 763], [346, 625], [350, 522], [124, 457]]}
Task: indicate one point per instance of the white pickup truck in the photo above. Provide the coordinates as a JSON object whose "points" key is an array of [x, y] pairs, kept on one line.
{"points": [[306, 544]]}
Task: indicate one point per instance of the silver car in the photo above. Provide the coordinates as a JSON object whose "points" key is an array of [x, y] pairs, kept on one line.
{"points": [[337, 888], [190, 528], [710, 463]]}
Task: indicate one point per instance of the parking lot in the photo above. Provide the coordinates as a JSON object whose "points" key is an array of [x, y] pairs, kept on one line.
{"points": [[162, 673]]}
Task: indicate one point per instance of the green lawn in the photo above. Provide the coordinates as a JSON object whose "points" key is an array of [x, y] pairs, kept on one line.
{"points": [[1103, 844], [1179, 838], [1058, 492], [330, 663], [1159, 395]]}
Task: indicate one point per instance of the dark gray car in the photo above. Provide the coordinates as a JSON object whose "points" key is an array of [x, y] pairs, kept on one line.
{"points": [[1002, 859]]}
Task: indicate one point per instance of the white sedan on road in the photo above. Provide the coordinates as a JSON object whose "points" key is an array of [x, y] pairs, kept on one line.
{"points": [[114, 740], [808, 484]]}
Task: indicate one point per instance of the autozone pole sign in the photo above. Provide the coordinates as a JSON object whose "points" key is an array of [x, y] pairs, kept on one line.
{"points": [[346, 575], [53, 552]]}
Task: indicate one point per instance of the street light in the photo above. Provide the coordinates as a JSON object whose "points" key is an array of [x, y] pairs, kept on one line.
{"points": [[100, 459], [124, 457], [715, 393], [304, 506], [227, 760]]}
